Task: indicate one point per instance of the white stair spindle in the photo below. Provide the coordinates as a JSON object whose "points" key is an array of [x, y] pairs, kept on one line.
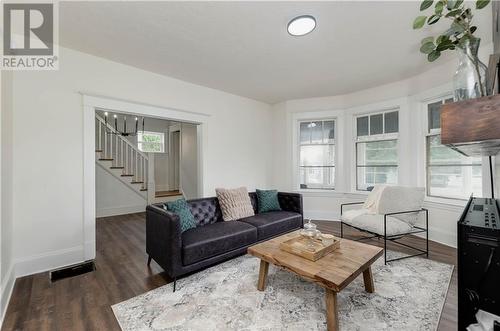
{"points": [[144, 174], [100, 135], [105, 144], [122, 155]]}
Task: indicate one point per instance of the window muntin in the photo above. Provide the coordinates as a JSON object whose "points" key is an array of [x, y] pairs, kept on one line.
{"points": [[449, 173], [377, 149], [151, 142], [317, 154]]}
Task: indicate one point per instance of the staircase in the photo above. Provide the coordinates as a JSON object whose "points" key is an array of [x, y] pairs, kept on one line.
{"points": [[123, 160]]}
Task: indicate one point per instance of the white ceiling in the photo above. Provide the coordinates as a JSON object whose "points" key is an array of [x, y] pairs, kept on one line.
{"points": [[243, 47]]}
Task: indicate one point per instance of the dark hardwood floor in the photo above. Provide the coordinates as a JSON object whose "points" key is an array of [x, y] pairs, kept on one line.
{"points": [[84, 302]]}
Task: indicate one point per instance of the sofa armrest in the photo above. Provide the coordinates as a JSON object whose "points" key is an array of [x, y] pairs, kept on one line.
{"points": [[163, 239], [349, 204], [291, 202]]}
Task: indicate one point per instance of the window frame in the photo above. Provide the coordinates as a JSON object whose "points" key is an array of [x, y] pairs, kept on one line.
{"points": [[298, 150], [374, 138], [140, 134], [428, 133]]}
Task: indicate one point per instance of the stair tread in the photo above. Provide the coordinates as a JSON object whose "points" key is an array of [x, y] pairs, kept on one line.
{"points": [[134, 182], [127, 175], [143, 189], [104, 159], [98, 150], [116, 167]]}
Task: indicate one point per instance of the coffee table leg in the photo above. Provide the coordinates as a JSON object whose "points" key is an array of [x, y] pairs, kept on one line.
{"points": [[332, 319], [264, 267], [368, 278]]}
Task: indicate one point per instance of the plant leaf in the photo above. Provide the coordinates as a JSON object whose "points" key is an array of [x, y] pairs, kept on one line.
{"points": [[442, 38], [456, 27], [439, 7], [450, 4], [433, 55], [433, 19], [480, 4], [444, 45], [473, 29], [458, 4], [427, 40], [454, 13], [427, 48], [426, 4], [419, 22]]}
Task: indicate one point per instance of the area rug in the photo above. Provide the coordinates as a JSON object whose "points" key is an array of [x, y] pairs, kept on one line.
{"points": [[409, 295]]}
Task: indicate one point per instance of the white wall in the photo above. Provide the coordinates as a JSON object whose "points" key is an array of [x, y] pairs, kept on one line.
{"points": [[189, 161], [48, 146], [406, 94], [6, 201], [113, 197]]}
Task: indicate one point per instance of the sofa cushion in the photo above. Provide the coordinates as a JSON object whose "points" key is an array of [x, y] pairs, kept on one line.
{"points": [[214, 239], [274, 222], [181, 208], [235, 203], [375, 223], [267, 200]]}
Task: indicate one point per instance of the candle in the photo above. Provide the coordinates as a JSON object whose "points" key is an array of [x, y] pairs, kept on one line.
{"points": [[106, 118], [136, 124], [125, 124], [116, 123]]}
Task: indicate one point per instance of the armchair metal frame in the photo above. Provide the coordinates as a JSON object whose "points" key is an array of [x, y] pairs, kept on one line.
{"points": [[393, 238]]}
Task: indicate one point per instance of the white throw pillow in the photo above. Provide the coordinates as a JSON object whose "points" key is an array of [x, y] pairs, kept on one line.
{"points": [[234, 203]]}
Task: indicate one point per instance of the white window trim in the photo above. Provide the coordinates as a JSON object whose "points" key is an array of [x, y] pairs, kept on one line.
{"points": [[299, 144], [140, 133]]}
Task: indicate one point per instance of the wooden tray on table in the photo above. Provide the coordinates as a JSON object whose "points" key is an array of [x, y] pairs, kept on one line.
{"points": [[299, 245]]}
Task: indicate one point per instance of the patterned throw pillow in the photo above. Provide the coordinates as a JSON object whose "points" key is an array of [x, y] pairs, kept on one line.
{"points": [[267, 200], [234, 203], [181, 208]]}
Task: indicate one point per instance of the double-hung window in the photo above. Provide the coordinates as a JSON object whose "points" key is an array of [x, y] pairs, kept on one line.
{"points": [[317, 154], [449, 173], [377, 149], [151, 142]]}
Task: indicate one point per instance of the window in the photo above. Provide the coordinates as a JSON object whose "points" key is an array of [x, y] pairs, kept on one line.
{"points": [[449, 173], [151, 142], [377, 149], [317, 154]]}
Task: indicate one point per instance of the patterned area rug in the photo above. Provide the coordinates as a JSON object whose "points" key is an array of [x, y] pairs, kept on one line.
{"points": [[409, 295]]}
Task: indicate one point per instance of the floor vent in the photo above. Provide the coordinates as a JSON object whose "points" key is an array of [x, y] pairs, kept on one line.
{"points": [[72, 270]]}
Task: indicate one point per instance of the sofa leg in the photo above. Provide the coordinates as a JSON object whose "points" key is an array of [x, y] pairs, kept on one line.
{"points": [[149, 260], [341, 229], [175, 283]]}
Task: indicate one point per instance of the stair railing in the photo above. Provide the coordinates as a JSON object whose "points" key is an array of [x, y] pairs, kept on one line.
{"points": [[122, 153]]}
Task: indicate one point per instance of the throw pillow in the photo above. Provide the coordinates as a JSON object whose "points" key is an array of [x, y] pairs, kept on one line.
{"points": [[181, 208], [267, 200], [234, 203]]}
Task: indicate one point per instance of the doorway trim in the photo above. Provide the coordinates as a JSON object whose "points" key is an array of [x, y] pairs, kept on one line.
{"points": [[91, 103]]}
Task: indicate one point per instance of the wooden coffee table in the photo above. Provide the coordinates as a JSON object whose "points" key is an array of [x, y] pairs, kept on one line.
{"points": [[333, 272]]}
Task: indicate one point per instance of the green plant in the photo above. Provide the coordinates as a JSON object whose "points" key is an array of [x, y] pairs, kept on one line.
{"points": [[460, 33]]}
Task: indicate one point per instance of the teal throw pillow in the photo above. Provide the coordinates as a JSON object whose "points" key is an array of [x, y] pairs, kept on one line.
{"points": [[181, 208], [267, 200]]}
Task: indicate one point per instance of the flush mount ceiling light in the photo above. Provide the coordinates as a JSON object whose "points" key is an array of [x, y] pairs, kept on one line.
{"points": [[301, 25]]}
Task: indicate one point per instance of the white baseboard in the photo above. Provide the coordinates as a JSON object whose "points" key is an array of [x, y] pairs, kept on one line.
{"points": [[48, 261], [120, 210], [321, 215], [7, 288]]}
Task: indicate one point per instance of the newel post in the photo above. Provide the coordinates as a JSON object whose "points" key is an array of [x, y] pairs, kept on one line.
{"points": [[151, 178]]}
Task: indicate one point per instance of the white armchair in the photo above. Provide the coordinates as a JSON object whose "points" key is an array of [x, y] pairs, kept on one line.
{"points": [[389, 212]]}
